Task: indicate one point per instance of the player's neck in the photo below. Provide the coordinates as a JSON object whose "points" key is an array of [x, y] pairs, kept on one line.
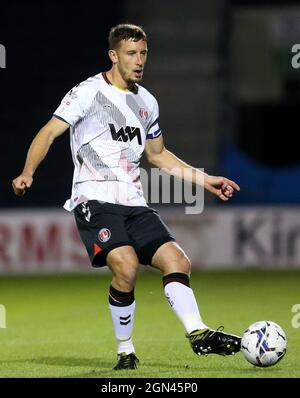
{"points": [[116, 80]]}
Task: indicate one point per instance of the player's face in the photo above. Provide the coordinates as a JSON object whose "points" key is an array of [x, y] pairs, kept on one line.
{"points": [[131, 59]]}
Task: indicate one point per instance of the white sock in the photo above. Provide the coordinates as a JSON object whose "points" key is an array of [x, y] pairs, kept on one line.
{"points": [[181, 298], [122, 318], [125, 346]]}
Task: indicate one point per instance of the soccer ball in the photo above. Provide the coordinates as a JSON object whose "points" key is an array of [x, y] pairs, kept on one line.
{"points": [[264, 343]]}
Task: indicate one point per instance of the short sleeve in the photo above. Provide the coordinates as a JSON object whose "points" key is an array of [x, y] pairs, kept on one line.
{"points": [[154, 130], [74, 105]]}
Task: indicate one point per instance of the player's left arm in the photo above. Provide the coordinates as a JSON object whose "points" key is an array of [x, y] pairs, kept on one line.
{"points": [[159, 156]]}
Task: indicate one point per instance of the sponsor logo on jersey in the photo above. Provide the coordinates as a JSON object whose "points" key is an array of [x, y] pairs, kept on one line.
{"points": [[125, 134], [104, 234], [143, 113]]}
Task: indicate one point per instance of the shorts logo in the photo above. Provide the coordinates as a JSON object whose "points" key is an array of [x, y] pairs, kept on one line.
{"points": [[86, 211], [104, 235]]}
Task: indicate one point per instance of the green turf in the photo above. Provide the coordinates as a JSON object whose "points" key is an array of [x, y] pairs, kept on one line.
{"points": [[60, 326]]}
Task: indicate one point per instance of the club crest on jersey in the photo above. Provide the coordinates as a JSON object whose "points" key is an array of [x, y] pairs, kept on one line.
{"points": [[104, 234], [143, 113]]}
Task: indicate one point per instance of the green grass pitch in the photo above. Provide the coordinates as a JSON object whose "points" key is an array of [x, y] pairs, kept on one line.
{"points": [[60, 326]]}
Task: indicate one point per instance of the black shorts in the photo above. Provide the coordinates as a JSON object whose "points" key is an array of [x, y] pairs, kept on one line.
{"points": [[105, 226]]}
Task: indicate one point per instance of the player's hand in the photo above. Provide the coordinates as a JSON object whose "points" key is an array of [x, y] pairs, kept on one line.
{"points": [[221, 187], [20, 184]]}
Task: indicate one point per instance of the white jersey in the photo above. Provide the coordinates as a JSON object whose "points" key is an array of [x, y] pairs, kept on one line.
{"points": [[108, 130]]}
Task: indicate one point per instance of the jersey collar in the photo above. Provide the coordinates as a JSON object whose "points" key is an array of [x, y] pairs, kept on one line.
{"points": [[134, 89]]}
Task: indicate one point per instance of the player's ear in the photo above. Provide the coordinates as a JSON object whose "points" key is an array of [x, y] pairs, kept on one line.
{"points": [[113, 56]]}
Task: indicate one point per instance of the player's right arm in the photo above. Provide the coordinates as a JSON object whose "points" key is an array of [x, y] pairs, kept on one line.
{"points": [[37, 152]]}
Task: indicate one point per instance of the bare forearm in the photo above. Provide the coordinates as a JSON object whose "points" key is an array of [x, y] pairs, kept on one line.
{"points": [[168, 162], [172, 165], [37, 152]]}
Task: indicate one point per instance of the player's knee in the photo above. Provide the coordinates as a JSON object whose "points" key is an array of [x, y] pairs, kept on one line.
{"points": [[178, 262], [184, 264], [127, 275], [125, 272]]}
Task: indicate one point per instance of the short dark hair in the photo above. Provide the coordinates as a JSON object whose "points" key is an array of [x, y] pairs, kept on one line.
{"points": [[125, 31]]}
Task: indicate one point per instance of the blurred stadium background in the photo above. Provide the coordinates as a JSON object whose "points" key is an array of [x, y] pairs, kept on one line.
{"points": [[229, 101]]}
